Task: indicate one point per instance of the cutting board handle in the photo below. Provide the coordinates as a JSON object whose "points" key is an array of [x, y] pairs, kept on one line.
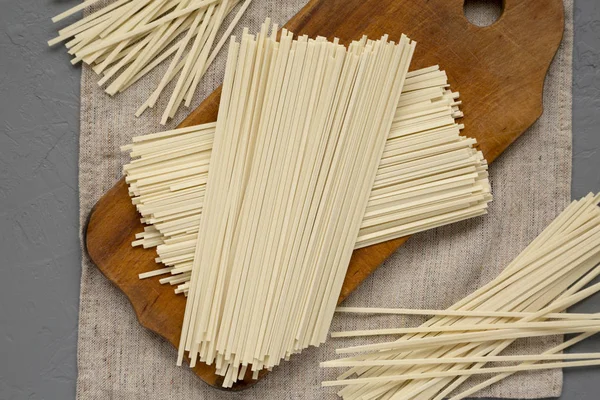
{"points": [[518, 18]]}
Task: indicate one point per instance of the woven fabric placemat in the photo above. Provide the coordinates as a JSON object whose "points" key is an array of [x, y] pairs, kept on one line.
{"points": [[119, 359]]}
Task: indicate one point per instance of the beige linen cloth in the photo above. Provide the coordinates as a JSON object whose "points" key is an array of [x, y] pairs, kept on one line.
{"points": [[119, 359]]}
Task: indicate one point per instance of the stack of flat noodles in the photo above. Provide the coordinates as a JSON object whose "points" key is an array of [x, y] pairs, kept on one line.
{"points": [[429, 176], [301, 128], [126, 39], [524, 301]]}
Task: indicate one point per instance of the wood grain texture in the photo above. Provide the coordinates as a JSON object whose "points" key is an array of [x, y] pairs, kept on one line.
{"points": [[499, 71]]}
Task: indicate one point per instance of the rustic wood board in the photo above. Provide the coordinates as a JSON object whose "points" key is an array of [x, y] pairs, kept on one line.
{"points": [[499, 71]]}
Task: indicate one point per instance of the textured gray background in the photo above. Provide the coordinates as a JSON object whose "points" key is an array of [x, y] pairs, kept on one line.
{"points": [[39, 244]]}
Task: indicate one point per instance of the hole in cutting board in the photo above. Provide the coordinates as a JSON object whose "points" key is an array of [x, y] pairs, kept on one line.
{"points": [[483, 12]]}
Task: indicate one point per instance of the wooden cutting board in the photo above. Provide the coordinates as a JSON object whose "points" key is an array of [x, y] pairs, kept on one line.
{"points": [[499, 71]]}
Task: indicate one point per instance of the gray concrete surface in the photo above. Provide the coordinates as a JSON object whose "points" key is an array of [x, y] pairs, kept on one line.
{"points": [[39, 244]]}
